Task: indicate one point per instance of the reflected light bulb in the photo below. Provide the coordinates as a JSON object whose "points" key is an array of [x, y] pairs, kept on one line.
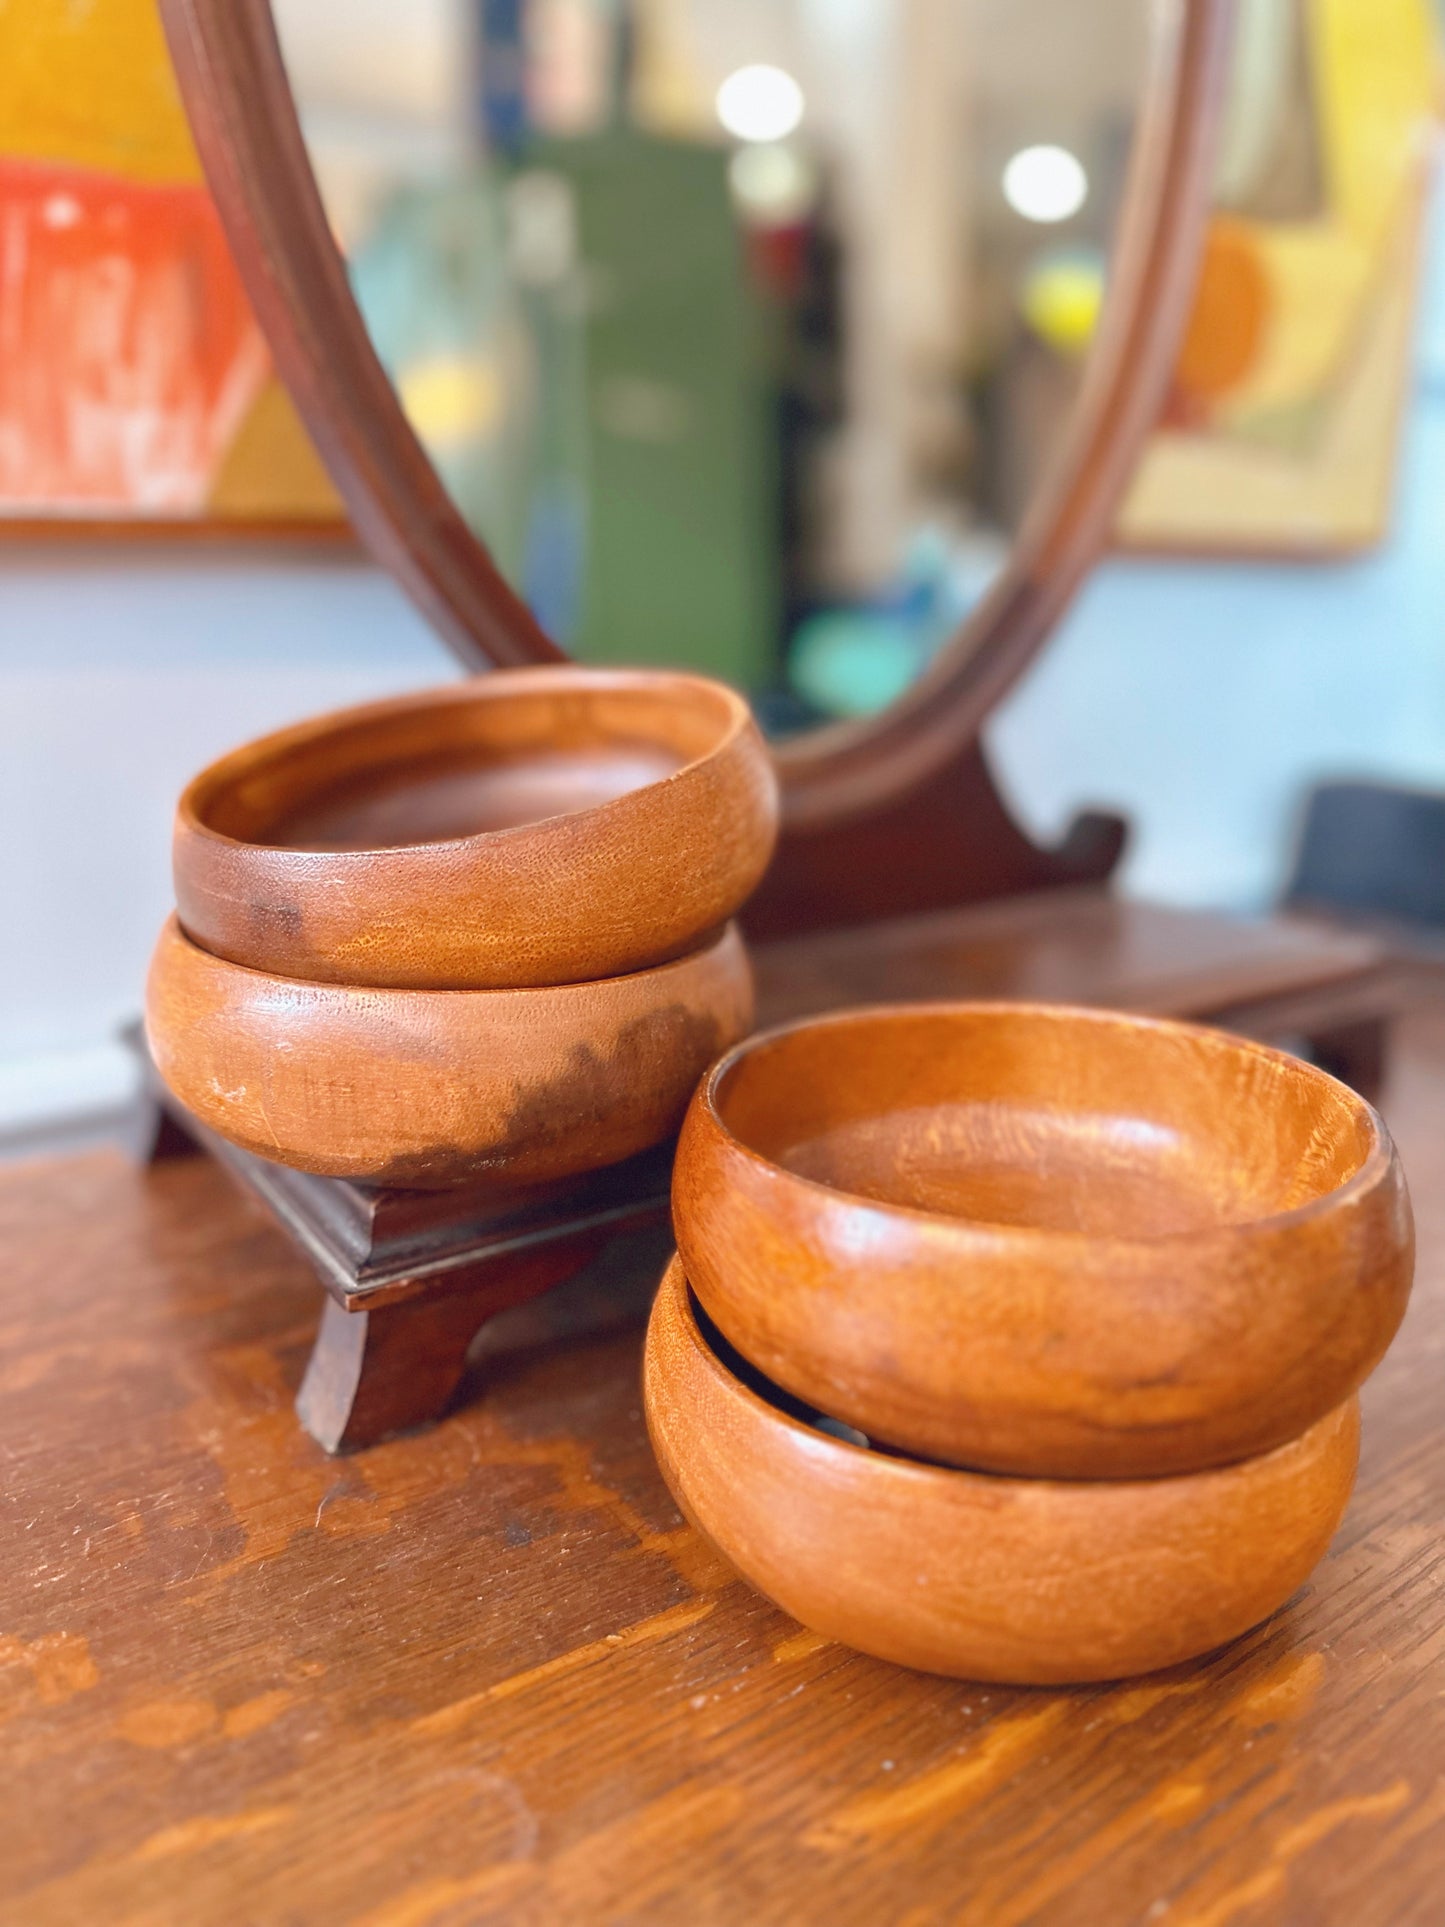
{"points": [[772, 183], [1045, 183], [760, 104]]}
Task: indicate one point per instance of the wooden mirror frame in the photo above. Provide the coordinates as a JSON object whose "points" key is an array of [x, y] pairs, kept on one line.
{"points": [[882, 817]]}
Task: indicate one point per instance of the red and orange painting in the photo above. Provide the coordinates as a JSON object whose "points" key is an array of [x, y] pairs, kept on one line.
{"points": [[135, 385]]}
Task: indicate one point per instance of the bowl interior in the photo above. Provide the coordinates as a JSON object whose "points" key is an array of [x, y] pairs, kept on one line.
{"points": [[1057, 1120], [427, 772]]}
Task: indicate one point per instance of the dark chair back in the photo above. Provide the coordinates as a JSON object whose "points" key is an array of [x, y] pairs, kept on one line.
{"points": [[1372, 851]]}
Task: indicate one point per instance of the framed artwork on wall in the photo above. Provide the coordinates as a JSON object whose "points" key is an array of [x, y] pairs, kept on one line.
{"points": [[1282, 426], [136, 389]]}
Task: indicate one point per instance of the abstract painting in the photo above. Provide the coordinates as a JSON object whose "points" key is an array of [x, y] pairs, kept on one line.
{"points": [[135, 385], [1281, 432]]}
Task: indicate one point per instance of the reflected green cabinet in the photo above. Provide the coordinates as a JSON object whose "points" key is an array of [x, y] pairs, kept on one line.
{"points": [[680, 539]]}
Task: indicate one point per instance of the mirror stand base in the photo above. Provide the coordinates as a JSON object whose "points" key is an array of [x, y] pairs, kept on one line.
{"points": [[949, 840]]}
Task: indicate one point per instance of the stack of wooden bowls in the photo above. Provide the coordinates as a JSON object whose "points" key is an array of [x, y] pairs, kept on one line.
{"points": [[1022, 1343], [478, 935]]}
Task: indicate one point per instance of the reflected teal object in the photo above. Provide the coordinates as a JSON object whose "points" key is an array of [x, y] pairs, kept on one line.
{"points": [[856, 660]]}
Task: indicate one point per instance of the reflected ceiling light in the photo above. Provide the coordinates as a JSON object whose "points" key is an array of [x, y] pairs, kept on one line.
{"points": [[1045, 183], [772, 183], [760, 104]]}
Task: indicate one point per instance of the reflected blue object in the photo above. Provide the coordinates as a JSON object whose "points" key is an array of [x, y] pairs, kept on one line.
{"points": [[501, 74], [552, 566]]}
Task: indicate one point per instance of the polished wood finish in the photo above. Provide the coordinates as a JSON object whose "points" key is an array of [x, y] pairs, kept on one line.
{"points": [[377, 1371], [412, 1277], [1287, 980], [433, 1088], [529, 827], [1028, 1582], [860, 803], [1065, 1243], [384, 1254], [485, 1675], [233, 83], [949, 841]]}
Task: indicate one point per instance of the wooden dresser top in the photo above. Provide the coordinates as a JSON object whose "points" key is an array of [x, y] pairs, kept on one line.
{"points": [[486, 1674]]}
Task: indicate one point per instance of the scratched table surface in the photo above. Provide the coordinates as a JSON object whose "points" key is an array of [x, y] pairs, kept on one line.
{"points": [[487, 1675]]}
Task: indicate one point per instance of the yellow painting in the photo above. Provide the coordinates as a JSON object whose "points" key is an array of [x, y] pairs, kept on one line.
{"points": [[1282, 426], [135, 385]]}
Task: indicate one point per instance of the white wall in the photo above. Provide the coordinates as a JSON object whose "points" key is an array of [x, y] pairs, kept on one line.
{"points": [[121, 673]]}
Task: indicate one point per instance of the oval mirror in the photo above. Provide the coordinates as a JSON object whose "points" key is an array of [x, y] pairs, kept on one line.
{"points": [[808, 344]]}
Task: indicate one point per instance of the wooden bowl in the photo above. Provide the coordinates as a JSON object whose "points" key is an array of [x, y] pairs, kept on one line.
{"points": [[1029, 1581], [1058, 1242], [532, 826], [432, 1088]]}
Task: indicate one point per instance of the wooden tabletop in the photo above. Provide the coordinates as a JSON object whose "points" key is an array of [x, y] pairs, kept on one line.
{"points": [[486, 1675], [1077, 946]]}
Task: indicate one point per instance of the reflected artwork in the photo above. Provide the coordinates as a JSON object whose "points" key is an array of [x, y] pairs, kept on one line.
{"points": [[135, 385]]}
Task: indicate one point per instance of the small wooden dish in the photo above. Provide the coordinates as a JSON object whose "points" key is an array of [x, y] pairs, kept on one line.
{"points": [[433, 1088], [1044, 1241], [1029, 1582], [529, 827]]}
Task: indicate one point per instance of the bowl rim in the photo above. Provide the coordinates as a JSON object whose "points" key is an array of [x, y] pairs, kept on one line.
{"points": [[708, 943], [910, 1470], [1375, 1165], [493, 685]]}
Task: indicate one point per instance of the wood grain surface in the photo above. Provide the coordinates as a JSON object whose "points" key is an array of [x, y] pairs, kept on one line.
{"points": [[1065, 1243], [429, 1088], [1281, 978], [1071, 946], [485, 1675], [1027, 1582], [535, 826]]}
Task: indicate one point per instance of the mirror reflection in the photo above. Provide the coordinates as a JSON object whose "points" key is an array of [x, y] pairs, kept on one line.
{"points": [[742, 331]]}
